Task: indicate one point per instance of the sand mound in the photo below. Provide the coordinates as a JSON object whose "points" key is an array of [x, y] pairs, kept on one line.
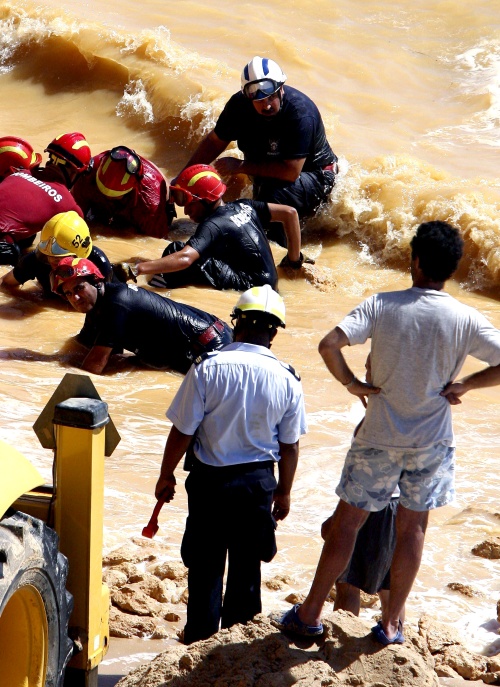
{"points": [[258, 655]]}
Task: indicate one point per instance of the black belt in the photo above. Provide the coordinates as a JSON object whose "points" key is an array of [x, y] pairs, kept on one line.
{"points": [[211, 332], [235, 469]]}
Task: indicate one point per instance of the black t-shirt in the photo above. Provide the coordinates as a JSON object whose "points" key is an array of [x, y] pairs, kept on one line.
{"points": [[161, 332], [235, 236], [32, 267], [297, 131]]}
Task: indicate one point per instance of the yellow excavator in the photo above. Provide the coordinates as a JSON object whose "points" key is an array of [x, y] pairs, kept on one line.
{"points": [[54, 608]]}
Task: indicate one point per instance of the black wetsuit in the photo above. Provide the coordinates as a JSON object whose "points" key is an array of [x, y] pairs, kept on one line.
{"points": [[233, 247], [296, 132], [32, 267], [161, 332]]}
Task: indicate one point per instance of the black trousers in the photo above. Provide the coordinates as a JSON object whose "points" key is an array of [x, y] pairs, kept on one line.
{"points": [[229, 518], [305, 194]]}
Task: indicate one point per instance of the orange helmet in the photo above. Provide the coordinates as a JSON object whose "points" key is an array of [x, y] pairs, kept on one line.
{"points": [[70, 148], [198, 182], [69, 268], [119, 172], [16, 153]]}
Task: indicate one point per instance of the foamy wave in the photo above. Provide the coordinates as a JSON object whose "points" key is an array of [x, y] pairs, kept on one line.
{"points": [[380, 204], [135, 102], [155, 77]]}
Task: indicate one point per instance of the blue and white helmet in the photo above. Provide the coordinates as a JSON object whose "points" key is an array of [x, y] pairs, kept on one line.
{"points": [[261, 78]]}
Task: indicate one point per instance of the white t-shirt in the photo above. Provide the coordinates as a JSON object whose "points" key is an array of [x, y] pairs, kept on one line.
{"points": [[420, 340], [242, 401]]}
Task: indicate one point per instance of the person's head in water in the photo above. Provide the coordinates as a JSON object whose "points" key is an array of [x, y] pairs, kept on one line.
{"points": [[199, 190], [262, 83], [17, 155], [438, 247], [66, 234], [257, 315], [69, 156], [119, 174], [79, 281]]}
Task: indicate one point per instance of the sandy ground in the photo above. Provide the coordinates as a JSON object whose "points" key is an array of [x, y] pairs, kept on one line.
{"points": [[126, 654]]}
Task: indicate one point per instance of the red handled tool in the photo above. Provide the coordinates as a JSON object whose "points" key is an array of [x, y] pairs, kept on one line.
{"points": [[152, 527]]}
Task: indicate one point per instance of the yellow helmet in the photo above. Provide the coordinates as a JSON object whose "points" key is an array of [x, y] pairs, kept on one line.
{"points": [[65, 234], [261, 299]]}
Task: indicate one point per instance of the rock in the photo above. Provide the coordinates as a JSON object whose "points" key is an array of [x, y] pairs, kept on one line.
{"points": [[468, 665], [172, 617], [258, 654], [162, 591], [498, 611], [133, 600], [128, 569], [490, 548], [114, 578], [451, 658], [464, 589], [294, 598], [366, 600], [171, 571], [279, 582], [127, 626], [127, 554], [151, 544]]}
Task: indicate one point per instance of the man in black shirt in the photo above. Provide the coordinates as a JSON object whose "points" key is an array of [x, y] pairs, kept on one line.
{"points": [[161, 332], [229, 249], [282, 136]]}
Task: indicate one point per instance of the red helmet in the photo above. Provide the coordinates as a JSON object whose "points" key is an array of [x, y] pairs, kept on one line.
{"points": [[16, 153], [119, 172], [69, 268], [198, 182], [73, 148]]}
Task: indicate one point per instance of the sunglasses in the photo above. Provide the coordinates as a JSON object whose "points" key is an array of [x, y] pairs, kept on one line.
{"points": [[181, 197], [132, 160], [258, 90]]}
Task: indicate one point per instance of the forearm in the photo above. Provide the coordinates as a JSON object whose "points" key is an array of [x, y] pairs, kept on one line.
{"points": [[330, 350], [287, 465], [176, 446], [176, 262], [209, 148], [288, 216]]}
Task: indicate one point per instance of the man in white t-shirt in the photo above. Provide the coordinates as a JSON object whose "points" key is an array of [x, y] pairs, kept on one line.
{"points": [[420, 339]]}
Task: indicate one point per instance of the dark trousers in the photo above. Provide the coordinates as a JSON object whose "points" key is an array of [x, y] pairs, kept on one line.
{"points": [[229, 517], [305, 194]]}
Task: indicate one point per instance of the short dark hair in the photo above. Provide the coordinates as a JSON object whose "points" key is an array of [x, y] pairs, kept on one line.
{"points": [[438, 247]]}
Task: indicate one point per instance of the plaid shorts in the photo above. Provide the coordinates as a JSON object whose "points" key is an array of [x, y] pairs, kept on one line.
{"points": [[426, 477]]}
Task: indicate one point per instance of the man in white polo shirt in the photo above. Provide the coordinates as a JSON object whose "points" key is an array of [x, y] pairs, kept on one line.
{"points": [[239, 413]]}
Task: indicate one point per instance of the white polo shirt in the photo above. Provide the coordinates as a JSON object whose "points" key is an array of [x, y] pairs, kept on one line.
{"points": [[242, 401]]}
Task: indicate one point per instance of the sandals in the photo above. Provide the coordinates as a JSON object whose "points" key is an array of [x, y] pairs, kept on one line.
{"points": [[382, 638], [290, 622]]}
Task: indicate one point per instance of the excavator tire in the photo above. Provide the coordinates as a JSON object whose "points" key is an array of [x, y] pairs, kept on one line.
{"points": [[34, 604]]}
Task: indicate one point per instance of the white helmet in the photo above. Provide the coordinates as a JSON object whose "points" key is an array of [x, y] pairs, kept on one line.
{"points": [[261, 78], [261, 299]]}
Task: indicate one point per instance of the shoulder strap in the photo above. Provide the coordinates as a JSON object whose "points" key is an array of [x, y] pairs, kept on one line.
{"points": [[204, 356], [291, 370]]}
